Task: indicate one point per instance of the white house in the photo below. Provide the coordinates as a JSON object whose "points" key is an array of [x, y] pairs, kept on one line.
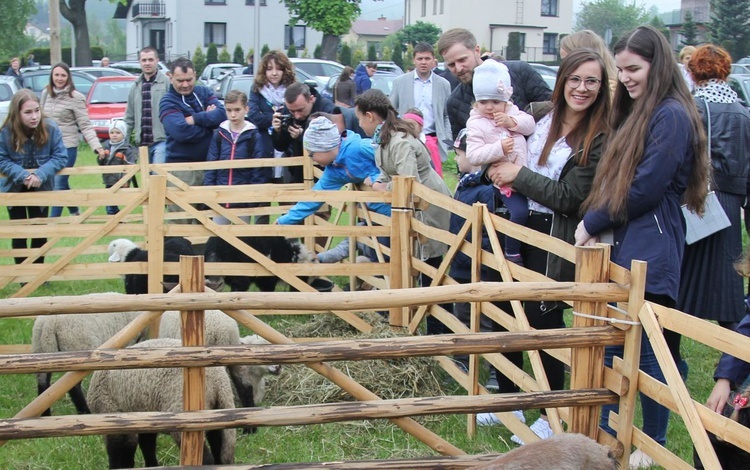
{"points": [[539, 22], [175, 28]]}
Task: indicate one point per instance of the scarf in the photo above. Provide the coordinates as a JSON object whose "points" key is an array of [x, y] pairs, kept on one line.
{"points": [[716, 91], [275, 96], [376, 136]]}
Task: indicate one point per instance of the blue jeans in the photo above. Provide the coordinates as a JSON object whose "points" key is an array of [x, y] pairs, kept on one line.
{"points": [[518, 207], [157, 153], [655, 416], [61, 182]]}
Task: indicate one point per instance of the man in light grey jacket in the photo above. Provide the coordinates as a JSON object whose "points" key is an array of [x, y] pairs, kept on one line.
{"points": [[142, 113], [429, 92]]}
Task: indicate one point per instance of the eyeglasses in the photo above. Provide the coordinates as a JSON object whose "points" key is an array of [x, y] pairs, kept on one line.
{"points": [[591, 84]]}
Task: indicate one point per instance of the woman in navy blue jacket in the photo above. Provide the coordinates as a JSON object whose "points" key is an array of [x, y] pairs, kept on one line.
{"points": [[275, 73], [29, 142], [655, 161]]}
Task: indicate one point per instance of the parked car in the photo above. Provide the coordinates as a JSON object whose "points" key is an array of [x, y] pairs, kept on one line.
{"points": [[740, 83], [8, 88], [212, 72], [38, 80], [244, 83], [548, 73], [385, 66], [740, 68], [107, 100], [134, 67], [319, 69], [102, 71], [382, 81], [744, 60]]}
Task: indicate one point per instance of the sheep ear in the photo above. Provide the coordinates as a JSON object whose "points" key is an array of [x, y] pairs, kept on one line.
{"points": [[114, 258]]}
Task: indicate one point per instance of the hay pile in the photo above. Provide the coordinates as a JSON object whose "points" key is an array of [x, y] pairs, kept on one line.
{"points": [[299, 385]]}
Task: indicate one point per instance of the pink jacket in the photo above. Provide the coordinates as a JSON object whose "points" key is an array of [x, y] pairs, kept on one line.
{"points": [[483, 138]]}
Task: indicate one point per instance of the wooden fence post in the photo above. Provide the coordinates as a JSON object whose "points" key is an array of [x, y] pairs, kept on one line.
{"points": [[194, 378], [587, 364], [476, 307], [157, 191], [401, 245]]}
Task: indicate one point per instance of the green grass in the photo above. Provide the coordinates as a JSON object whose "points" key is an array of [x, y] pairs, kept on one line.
{"points": [[355, 441]]}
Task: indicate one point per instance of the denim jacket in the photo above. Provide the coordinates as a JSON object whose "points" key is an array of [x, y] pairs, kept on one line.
{"points": [[46, 160]]}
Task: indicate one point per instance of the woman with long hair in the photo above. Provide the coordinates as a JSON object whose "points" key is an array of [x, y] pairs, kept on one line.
{"points": [[61, 102], [398, 151], [587, 39], [563, 153], [655, 161], [345, 89], [31, 152], [275, 73]]}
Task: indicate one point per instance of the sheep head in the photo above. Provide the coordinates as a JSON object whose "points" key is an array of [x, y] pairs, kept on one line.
{"points": [[119, 249]]}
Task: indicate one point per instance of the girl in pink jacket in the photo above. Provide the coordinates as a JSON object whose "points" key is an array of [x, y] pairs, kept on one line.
{"points": [[495, 133]]}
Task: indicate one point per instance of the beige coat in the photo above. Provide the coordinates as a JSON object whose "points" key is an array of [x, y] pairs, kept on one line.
{"points": [[70, 114], [406, 156]]}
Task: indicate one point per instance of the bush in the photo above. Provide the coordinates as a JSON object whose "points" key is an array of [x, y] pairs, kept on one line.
{"points": [[514, 46], [318, 52], [292, 51], [42, 54], [372, 54], [239, 55], [212, 54], [199, 60], [345, 55], [397, 56], [264, 50], [225, 57]]}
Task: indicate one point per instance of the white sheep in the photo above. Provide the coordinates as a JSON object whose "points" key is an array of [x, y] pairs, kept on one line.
{"points": [[76, 332], [559, 452], [222, 330], [140, 390]]}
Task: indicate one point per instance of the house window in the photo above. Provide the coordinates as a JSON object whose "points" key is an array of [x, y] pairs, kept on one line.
{"points": [[294, 35], [216, 2], [215, 33], [550, 8], [424, 7], [522, 41], [549, 45], [252, 2]]}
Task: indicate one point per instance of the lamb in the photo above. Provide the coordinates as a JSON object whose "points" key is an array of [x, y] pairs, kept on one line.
{"points": [[76, 332], [249, 380], [278, 249], [561, 452], [139, 390], [124, 250]]}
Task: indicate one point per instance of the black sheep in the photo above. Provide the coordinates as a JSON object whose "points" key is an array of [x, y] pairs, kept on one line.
{"points": [[124, 250]]}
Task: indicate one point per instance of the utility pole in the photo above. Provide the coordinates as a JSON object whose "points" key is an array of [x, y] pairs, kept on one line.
{"points": [[55, 52]]}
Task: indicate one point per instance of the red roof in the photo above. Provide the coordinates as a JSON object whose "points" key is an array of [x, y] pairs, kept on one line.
{"points": [[379, 27]]}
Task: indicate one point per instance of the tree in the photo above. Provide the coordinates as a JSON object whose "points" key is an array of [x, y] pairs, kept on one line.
{"points": [[616, 15], [657, 23], [292, 51], [239, 55], [372, 54], [419, 32], [689, 31], [225, 57], [333, 18], [345, 55], [729, 26], [264, 50], [12, 24], [397, 56], [212, 54], [199, 60]]}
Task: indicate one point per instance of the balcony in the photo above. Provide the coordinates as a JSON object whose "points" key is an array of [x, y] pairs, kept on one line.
{"points": [[149, 10]]}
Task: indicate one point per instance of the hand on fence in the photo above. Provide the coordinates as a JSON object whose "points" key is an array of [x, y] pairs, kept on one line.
{"points": [[719, 395], [582, 236], [32, 181]]}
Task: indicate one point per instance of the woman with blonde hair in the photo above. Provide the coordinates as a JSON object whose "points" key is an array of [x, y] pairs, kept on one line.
{"points": [[587, 39], [684, 57]]}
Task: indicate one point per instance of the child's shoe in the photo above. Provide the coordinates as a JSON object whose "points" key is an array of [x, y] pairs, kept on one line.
{"points": [[540, 427], [514, 258]]}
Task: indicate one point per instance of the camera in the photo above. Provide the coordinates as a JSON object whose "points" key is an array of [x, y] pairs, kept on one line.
{"points": [[286, 119]]}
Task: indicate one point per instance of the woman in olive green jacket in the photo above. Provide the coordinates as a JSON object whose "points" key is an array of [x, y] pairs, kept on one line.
{"points": [[61, 102]]}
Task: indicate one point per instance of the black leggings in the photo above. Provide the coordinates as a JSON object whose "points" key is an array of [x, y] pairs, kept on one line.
{"points": [[538, 315], [27, 212]]}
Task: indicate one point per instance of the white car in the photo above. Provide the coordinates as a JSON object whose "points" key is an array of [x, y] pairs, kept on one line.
{"points": [[212, 72], [321, 69], [8, 87]]}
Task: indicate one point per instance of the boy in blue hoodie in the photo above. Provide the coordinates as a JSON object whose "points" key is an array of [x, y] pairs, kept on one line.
{"points": [[350, 159], [235, 139]]}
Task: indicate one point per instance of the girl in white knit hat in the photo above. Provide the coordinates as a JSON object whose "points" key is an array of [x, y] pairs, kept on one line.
{"points": [[495, 133]]}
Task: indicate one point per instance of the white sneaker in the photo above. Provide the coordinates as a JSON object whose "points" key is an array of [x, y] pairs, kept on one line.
{"points": [[640, 460], [540, 427], [490, 419]]}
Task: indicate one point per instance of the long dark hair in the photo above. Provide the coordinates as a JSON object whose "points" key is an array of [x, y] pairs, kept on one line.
{"points": [[70, 86], [375, 101], [19, 133], [593, 123], [282, 61], [630, 122]]}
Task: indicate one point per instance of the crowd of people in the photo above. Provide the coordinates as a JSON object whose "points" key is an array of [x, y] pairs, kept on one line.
{"points": [[612, 154]]}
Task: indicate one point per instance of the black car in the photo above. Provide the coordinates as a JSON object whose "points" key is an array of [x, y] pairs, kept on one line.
{"points": [[37, 80]]}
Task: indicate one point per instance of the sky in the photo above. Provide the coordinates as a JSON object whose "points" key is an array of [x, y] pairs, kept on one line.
{"points": [[394, 9]]}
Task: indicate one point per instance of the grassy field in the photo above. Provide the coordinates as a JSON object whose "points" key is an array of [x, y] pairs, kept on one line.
{"points": [[358, 440]]}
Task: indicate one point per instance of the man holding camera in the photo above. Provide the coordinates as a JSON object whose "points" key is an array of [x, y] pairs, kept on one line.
{"points": [[290, 123]]}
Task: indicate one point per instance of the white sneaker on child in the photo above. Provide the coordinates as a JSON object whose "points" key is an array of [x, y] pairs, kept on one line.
{"points": [[490, 419], [640, 460], [540, 427]]}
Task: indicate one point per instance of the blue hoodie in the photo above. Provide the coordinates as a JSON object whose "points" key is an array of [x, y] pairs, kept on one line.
{"points": [[185, 142], [244, 146], [362, 79], [354, 163]]}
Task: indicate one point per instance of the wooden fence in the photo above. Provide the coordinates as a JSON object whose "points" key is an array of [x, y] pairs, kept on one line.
{"points": [[75, 248]]}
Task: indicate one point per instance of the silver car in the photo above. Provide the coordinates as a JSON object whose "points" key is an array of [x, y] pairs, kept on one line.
{"points": [[8, 88]]}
